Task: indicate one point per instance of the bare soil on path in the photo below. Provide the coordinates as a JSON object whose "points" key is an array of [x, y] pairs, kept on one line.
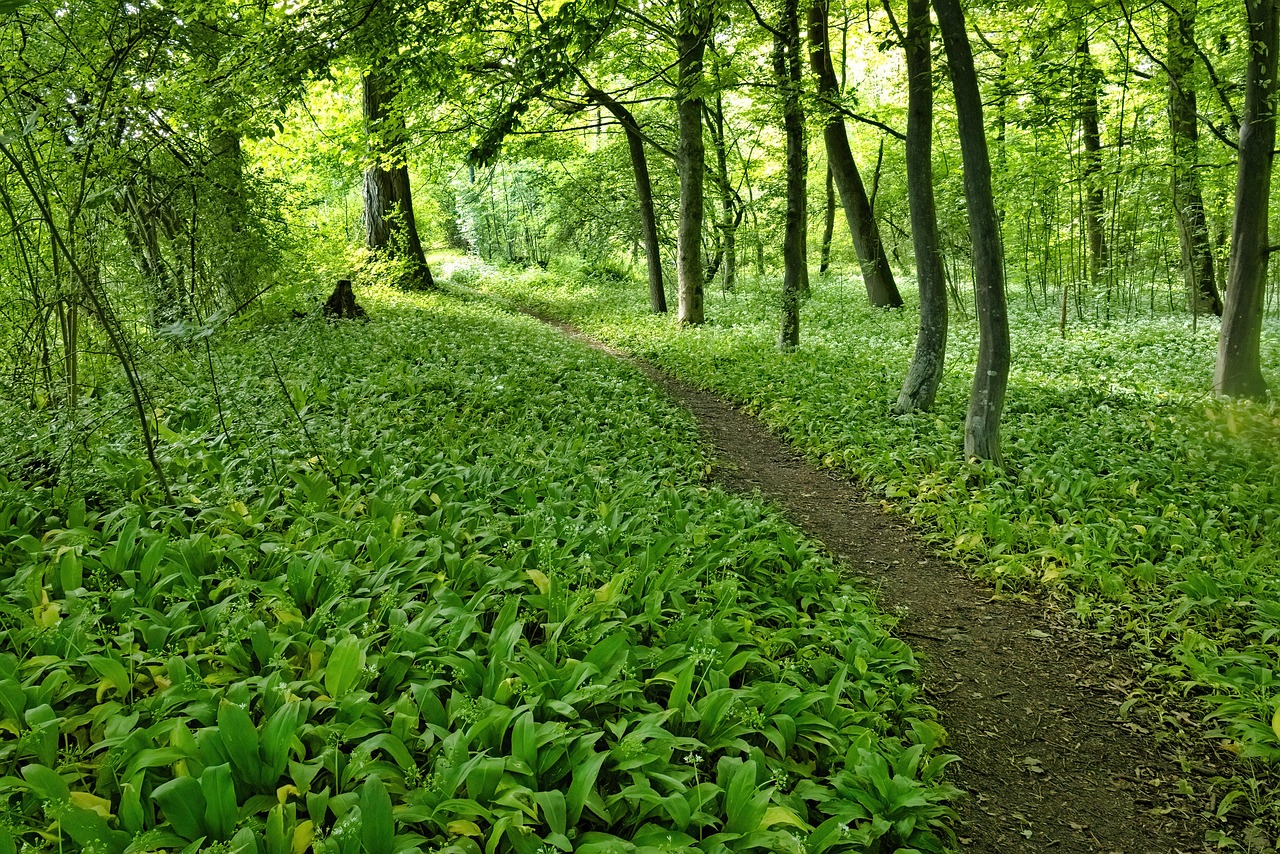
{"points": [[1031, 702]]}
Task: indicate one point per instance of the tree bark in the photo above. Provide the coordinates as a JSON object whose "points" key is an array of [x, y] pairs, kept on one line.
{"points": [[788, 70], [986, 400], [1184, 137], [731, 212], [828, 223], [877, 276], [925, 375], [1087, 93], [644, 197], [691, 43], [1239, 369], [390, 226]]}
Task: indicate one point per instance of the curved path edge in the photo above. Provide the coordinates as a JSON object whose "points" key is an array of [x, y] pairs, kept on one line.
{"points": [[1031, 702]]}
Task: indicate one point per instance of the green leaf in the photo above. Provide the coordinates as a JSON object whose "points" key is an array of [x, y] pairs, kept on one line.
{"points": [[377, 829], [345, 663], [46, 783], [8, 7], [552, 804], [240, 740], [277, 738], [220, 811], [183, 803], [584, 782]]}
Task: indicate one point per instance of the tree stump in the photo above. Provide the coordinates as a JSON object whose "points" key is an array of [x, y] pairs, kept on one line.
{"points": [[342, 302]]}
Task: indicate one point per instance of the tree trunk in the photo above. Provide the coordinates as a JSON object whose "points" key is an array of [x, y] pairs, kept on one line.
{"points": [[1239, 368], [789, 73], [390, 226], [1087, 93], [692, 45], [1188, 203], [882, 291], [828, 223], [925, 375], [730, 210], [644, 196], [986, 400]]}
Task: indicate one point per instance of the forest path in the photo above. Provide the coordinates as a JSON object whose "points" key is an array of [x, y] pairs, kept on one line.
{"points": [[1030, 703]]}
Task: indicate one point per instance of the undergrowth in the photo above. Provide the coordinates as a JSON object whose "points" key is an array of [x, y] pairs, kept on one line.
{"points": [[440, 581], [1129, 490]]}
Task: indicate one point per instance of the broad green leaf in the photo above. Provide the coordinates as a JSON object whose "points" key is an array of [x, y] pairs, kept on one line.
{"points": [[377, 830], [552, 805], [221, 812], [345, 663], [183, 803], [240, 740], [46, 783]]}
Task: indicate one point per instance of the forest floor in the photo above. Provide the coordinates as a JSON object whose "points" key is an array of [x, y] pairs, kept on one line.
{"points": [[1031, 702]]}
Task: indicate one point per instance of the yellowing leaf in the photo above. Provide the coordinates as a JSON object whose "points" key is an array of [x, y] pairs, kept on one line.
{"points": [[1275, 723], [240, 508], [462, 827], [609, 590], [539, 579], [48, 614], [397, 525], [303, 835], [776, 815], [87, 801], [283, 793]]}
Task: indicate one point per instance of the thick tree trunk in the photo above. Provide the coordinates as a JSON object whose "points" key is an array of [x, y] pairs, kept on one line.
{"points": [[1087, 93], [788, 70], [876, 273], [690, 154], [1184, 137], [925, 375], [1239, 368], [986, 400], [644, 197], [388, 201]]}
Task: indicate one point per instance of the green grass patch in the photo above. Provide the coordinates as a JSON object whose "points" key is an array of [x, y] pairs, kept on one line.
{"points": [[441, 581], [1130, 490]]}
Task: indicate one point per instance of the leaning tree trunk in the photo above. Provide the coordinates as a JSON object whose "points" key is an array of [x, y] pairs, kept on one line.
{"points": [[644, 197], [789, 73], [1239, 368], [390, 226], [1188, 203], [1087, 94], [986, 400], [925, 375], [692, 46], [876, 274]]}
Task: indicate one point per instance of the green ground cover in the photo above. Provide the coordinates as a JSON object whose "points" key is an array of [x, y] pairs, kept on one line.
{"points": [[441, 581], [1130, 492]]}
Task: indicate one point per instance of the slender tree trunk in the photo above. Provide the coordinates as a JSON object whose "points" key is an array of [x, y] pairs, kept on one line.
{"points": [[828, 223], [692, 45], [986, 400], [876, 274], [788, 70], [1239, 368], [1188, 203], [1087, 95], [925, 375], [388, 200], [730, 210], [644, 197]]}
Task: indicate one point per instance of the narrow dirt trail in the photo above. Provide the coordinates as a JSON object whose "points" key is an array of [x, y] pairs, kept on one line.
{"points": [[1030, 703]]}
